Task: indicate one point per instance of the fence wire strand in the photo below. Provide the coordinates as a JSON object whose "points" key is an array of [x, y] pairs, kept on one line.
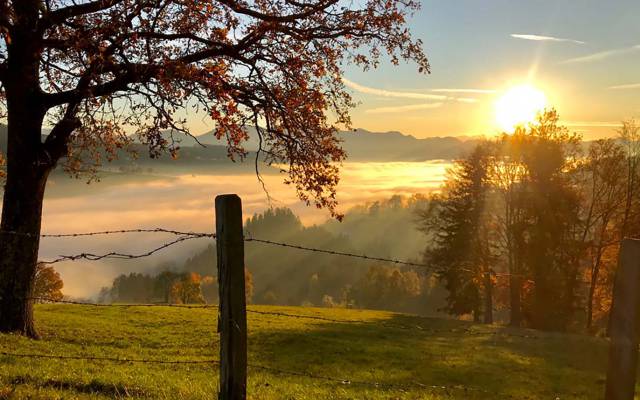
{"points": [[390, 325], [109, 359], [188, 235], [336, 253], [120, 256], [215, 362], [113, 232]]}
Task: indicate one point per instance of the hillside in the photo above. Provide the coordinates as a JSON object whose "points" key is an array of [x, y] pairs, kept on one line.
{"points": [[409, 357], [363, 145], [360, 145]]}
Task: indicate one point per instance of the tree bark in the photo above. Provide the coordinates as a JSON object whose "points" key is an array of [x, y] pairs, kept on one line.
{"points": [[488, 298], [592, 289], [20, 231], [28, 166], [515, 288]]}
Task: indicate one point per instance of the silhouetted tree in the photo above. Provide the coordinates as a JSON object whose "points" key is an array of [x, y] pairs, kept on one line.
{"points": [[387, 288], [163, 283], [460, 250], [80, 64], [551, 207], [133, 288]]}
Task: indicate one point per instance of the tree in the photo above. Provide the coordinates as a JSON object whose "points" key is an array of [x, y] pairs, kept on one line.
{"points": [[47, 284], [507, 174], [603, 183], [460, 250], [96, 71], [387, 288], [133, 288], [210, 289], [552, 224], [163, 284], [186, 290], [630, 137]]}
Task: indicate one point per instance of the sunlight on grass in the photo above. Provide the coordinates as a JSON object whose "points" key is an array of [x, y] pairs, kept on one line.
{"points": [[410, 357]]}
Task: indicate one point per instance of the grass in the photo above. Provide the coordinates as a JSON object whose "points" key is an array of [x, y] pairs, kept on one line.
{"points": [[406, 355]]}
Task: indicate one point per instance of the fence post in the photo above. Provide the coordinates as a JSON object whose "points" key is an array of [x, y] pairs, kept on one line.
{"points": [[232, 313], [624, 328]]}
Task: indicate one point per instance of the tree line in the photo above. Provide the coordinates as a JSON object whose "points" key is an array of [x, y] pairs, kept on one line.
{"points": [[530, 224], [283, 276], [169, 286]]}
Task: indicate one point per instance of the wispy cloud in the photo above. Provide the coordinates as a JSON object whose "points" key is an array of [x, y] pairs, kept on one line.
{"points": [[390, 93], [592, 124], [466, 100], [401, 109], [602, 55], [626, 86], [540, 38], [457, 90], [415, 95]]}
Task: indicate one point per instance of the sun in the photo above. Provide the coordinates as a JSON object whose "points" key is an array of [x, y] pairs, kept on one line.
{"points": [[519, 106]]}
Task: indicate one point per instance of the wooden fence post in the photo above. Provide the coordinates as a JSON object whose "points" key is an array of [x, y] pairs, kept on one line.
{"points": [[232, 313], [624, 328]]}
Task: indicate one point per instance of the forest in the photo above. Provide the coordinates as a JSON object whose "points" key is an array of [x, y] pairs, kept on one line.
{"points": [[532, 222], [525, 231], [284, 276]]}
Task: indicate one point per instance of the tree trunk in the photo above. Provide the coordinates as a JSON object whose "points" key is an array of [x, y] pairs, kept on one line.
{"points": [[488, 298], [515, 288], [28, 166], [27, 170], [592, 290], [19, 241]]}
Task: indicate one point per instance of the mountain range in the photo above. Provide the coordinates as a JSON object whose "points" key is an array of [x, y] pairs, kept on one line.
{"points": [[360, 145]]}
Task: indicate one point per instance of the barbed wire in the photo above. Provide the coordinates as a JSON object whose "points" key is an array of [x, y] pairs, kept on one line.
{"points": [[47, 300], [184, 235], [388, 260], [113, 232], [109, 359], [336, 253], [117, 255], [391, 325], [216, 362]]}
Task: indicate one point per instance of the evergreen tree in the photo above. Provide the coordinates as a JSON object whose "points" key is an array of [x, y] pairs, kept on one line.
{"points": [[460, 250]]}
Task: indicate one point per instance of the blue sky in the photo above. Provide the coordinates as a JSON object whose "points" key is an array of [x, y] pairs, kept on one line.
{"points": [[584, 55]]}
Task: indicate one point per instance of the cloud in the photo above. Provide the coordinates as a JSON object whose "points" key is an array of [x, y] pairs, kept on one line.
{"points": [[457, 90], [400, 109], [601, 55], [389, 93], [540, 38], [592, 124], [626, 86], [466, 100], [413, 95]]}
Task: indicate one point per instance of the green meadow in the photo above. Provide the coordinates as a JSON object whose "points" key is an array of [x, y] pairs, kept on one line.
{"points": [[378, 355]]}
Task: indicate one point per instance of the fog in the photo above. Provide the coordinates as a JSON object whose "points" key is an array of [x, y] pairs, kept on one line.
{"points": [[185, 202]]}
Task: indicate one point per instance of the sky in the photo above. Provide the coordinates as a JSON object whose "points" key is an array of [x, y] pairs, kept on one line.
{"points": [[584, 55]]}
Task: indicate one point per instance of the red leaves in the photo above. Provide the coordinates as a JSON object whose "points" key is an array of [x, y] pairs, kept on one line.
{"points": [[134, 65]]}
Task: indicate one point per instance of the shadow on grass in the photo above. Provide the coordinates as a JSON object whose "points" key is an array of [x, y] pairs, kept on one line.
{"points": [[494, 362], [94, 387]]}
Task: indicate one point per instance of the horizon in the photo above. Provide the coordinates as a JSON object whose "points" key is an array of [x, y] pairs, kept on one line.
{"points": [[587, 71]]}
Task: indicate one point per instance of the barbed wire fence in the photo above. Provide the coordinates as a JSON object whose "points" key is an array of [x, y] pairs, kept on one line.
{"points": [[182, 236]]}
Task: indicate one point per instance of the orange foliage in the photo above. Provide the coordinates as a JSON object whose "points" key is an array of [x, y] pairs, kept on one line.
{"points": [[108, 68]]}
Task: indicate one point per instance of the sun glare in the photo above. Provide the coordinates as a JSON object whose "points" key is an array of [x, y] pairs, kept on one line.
{"points": [[519, 106]]}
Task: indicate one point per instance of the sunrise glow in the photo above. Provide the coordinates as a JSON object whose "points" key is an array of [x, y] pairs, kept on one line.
{"points": [[519, 106]]}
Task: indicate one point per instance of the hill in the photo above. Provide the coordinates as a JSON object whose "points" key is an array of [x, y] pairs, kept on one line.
{"points": [[363, 145], [407, 357]]}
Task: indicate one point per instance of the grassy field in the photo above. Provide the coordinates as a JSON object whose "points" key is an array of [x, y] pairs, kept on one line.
{"points": [[409, 357]]}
